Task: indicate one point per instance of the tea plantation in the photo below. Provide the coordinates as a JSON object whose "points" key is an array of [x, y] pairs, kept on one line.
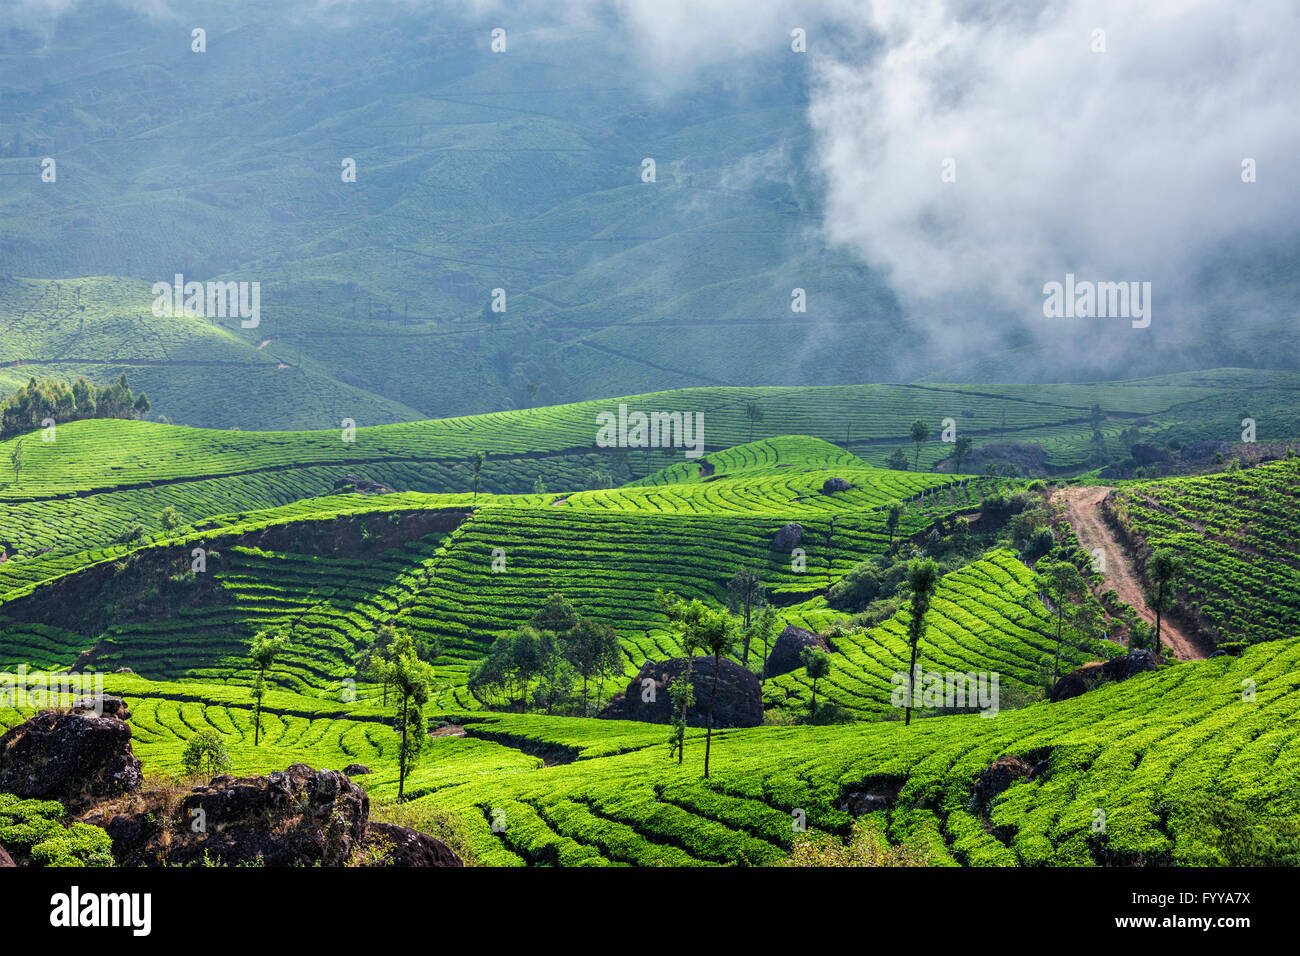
{"points": [[154, 554]]}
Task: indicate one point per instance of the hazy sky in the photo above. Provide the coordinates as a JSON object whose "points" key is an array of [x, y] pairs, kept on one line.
{"points": [[1117, 165]]}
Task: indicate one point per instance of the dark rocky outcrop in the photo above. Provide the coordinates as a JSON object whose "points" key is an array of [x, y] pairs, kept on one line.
{"points": [[875, 794], [739, 700], [831, 485], [402, 846], [101, 705], [787, 651], [1090, 675], [361, 486], [357, 770], [75, 758], [294, 817], [789, 537], [1002, 773]]}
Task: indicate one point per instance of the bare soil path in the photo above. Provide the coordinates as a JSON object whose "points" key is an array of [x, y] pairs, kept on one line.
{"points": [[1083, 511]]}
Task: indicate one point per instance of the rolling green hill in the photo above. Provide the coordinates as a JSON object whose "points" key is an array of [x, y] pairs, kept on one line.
{"points": [[283, 549], [99, 480]]}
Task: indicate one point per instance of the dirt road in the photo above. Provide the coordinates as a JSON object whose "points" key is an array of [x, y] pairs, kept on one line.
{"points": [[1083, 510]]}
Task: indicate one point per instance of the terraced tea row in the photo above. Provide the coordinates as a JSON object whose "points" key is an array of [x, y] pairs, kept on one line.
{"points": [[985, 618], [1135, 756], [1237, 535]]}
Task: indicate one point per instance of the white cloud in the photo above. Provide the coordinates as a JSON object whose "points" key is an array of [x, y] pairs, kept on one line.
{"points": [[1117, 165]]}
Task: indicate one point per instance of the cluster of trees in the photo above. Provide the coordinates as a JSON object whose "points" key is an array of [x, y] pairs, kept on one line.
{"points": [[36, 403], [541, 663]]}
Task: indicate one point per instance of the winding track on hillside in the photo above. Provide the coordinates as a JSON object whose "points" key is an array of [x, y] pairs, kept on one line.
{"points": [[1083, 511]]}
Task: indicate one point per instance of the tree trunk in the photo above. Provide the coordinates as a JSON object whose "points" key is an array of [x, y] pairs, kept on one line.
{"points": [[584, 695], [1056, 664], [401, 775], [911, 683], [708, 733], [1160, 604], [257, 719]]}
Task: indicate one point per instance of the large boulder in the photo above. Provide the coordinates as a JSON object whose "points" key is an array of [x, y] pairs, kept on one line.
{"points": [[832, 485], [392, 845], [361, 486], [739, 700], [101, 705], [76, 758], [294, 817], [787, 652], [789, 537], [1090, 675], [1001, 774]]}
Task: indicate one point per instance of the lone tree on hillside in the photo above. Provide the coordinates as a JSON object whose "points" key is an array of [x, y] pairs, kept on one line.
{"points": [[476, 463], [1164, 568], [817, 663], [891, 523], [922, 578], [413, 681], [206, 753], [16, 459], [1064, 585], [755, 415], [763, 628], [685, 617], [376, 658], [715, 634], [920, 434], [263, 649], [682, 692], [745, 591], [960, 449]]}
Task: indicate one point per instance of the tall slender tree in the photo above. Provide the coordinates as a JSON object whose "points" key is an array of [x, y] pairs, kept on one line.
{"points": [[922, 578], [920, 434], [413, 683], [263, 650], [817, 664], [745, 591], [763, 630], [1063, 585], [1164, 568], [716, 634], [755, 415], [476, 461], [960, 449]]}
